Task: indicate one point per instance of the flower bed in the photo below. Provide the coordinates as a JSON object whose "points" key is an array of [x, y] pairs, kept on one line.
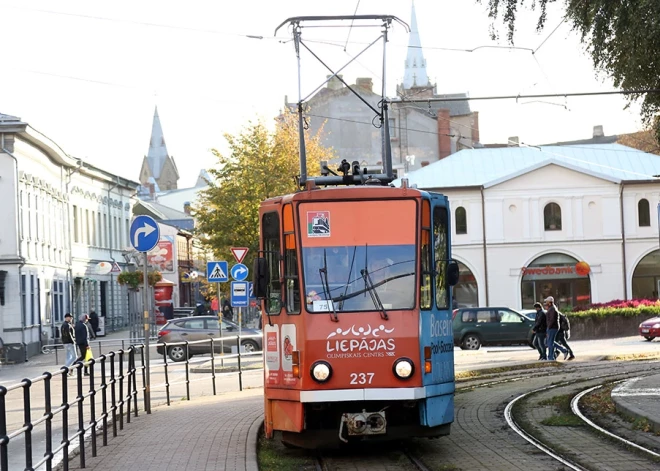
{"points": [[616, 318], [619, 304]]}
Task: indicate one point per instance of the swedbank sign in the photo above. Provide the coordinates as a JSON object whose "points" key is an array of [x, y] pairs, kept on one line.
{"points": [[580, 269]]}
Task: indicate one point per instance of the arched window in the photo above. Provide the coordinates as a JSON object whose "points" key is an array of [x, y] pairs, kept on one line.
{"points": [[644, 213], [461, 220], [552, 217]]}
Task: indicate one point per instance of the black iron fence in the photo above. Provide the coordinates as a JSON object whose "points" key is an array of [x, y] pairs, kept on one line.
{"points": [[92, 401]]}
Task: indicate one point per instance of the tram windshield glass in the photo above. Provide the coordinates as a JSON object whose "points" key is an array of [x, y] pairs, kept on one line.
{"points": [[359, 278]]}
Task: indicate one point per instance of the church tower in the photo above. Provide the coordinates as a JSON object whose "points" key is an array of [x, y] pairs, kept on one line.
{"points": [[158, 164]]}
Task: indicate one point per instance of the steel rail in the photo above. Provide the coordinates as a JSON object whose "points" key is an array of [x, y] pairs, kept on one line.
{"points": [[575, 407]]}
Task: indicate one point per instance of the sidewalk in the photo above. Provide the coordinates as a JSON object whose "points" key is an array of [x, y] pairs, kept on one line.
{"points": [[212, 433], [640, 399]]}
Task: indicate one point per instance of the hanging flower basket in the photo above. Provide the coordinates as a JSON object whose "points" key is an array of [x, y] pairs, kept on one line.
{"points": [[134, 279]]}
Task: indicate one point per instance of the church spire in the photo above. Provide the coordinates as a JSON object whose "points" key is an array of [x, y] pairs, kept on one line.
{"points": [[157, 154], [415, 72], [158, 164]]}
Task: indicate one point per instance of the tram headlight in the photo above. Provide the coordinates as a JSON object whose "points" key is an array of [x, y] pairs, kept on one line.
{"points": [[403, 368], [321, 371]]}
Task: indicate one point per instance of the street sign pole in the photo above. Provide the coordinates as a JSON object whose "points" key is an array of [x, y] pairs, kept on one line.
{"points": [[147, 334], [222, 342], [144, 235]]}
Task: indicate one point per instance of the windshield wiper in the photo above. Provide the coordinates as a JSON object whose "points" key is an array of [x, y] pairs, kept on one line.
{"points": [[348, 282], [374, 294], [323, 273]]}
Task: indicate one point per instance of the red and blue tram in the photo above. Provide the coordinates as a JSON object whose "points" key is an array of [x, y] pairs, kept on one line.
{"points": [[356, 288]]}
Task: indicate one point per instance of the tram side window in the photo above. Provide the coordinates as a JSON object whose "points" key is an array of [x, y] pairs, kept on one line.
{"points": [[291, 277], [270, 228], [425, 255], [441, 240]]}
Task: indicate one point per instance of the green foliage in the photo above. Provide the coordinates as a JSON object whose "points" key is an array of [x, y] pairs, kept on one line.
{"points": [[622, 37], [260, 165], [133, 279], [650, 311]]}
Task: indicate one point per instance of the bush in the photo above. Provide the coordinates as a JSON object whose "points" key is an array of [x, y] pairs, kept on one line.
{"points": [[640, 310]]}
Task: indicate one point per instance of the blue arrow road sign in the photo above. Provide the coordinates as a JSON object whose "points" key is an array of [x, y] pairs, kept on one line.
{"points": [[239, 272], [144, 233], [239, 294], [216, 272]]}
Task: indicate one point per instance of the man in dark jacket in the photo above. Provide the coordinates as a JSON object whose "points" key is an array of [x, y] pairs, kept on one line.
{"points": [[94, 322], [82, 339], [539, 329], [553, 327], [68, 340]]}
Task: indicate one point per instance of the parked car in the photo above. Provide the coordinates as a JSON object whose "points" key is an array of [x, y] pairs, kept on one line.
{"points": [[200, 328], [474, 327], [650, 329], [531, 313]]}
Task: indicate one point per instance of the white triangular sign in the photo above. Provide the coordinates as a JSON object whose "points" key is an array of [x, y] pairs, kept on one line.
{"points": [[217, 272], [115, 268], [239, 253]]}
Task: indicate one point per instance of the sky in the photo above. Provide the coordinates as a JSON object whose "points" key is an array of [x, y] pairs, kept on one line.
{"points": [[89, 74]]}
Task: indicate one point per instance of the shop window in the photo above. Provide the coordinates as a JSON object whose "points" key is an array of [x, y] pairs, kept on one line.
{"points": [[461, 220], [552, 217], [644, 213]]}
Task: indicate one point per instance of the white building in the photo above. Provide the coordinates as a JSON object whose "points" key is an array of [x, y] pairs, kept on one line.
{"points": [[522, 219], [61, 218]]}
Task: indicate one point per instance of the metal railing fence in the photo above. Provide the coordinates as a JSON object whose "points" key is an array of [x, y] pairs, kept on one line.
{"points": [[111, 399]]}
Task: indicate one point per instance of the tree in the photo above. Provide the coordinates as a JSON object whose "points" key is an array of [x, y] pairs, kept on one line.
{"points": [[622, 37], [641, 140], [260, 165]]}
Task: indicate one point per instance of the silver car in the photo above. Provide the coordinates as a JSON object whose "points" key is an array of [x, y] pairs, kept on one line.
{"points": [[203, 328]]}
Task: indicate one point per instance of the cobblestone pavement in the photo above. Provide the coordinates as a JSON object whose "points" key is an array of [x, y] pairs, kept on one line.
{"points": [[481, 438], [209, 433]]}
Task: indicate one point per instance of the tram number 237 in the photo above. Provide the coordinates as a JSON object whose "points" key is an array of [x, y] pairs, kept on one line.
{"points": [[362, 378]]}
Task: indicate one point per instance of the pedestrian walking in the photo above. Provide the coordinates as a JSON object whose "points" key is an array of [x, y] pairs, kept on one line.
{"points": [[563, 335], [227, 311], [539, 330], [94, 322], [552, 319], [68, 335], [82, 340], [214, 306]]}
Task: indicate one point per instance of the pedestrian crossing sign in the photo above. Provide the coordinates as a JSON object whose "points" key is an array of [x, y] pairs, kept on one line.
{"points": [[217, 272]]}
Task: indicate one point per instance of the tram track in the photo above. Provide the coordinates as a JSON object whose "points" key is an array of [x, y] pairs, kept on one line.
{"points": [[571, 459], [401, 458]]}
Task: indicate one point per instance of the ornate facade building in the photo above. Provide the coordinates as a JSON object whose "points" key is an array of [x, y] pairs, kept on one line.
{"points": [[62, 218]]}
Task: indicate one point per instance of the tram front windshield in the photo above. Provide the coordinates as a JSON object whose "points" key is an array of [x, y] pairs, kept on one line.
{"points": [[359, 277]]}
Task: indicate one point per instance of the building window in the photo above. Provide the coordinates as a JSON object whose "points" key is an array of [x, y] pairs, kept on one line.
{"points": [[32, 298], [552, 217], [644, 213], [461, 220], [76, 233], [106, 231]]}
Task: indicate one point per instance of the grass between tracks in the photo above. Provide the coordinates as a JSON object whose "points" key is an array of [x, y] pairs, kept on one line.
{"points": [[467, 375], [563, 416], [273, 456]]}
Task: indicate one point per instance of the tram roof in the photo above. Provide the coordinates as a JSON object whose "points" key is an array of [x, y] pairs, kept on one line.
{"points": [[488, 167]]}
